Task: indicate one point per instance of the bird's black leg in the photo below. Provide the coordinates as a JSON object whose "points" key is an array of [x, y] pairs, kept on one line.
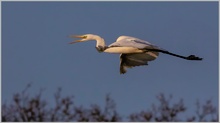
{"points": [[190, 57]]}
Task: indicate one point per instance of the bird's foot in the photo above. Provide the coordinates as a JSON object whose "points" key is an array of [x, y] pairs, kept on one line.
{"points": [[193, 57]]}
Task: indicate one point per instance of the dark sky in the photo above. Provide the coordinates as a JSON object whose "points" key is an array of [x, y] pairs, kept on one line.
{"points": [[35, 49]]}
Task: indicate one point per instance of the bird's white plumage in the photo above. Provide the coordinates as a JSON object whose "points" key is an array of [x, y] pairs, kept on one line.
{"points": [[128, 41], [121, 49], [134, 51]]}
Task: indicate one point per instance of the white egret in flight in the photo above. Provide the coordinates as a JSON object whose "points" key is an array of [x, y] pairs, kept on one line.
{"points": [[133, 51]]}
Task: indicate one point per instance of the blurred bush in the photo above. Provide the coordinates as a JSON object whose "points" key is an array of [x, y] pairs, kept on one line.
{"points": [[26, 109]]}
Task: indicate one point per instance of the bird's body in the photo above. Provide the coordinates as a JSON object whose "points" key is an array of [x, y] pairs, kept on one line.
{"points": [[127, 44], [133, 51], [119, 50]]}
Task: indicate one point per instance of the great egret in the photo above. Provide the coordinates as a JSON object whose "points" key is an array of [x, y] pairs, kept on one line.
{"points": [[133, 51]]}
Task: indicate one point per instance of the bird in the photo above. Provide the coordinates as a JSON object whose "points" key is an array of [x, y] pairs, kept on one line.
{"points": [[133, 51]]}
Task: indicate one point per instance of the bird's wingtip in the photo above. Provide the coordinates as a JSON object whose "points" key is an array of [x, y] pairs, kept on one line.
{"points": [[122, 70]]}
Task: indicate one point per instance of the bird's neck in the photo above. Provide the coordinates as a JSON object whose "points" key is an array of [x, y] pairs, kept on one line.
{"points": [[100, 41], [100, 45]]}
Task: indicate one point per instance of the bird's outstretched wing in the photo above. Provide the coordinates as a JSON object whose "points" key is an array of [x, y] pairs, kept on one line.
{"points": [[127, 41], [137, 59]]}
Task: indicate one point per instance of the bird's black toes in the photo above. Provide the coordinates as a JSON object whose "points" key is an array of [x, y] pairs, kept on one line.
{"points": [[193, 57]]}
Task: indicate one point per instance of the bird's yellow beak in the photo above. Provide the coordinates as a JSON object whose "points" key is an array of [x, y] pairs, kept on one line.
{"points": [[77, 36]]}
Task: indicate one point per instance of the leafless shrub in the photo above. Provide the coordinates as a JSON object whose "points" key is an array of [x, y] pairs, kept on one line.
{"points": [[25, 109]]}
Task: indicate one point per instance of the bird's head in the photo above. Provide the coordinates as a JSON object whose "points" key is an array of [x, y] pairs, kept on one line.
{"points": [[83, 38], [100, 45]]}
